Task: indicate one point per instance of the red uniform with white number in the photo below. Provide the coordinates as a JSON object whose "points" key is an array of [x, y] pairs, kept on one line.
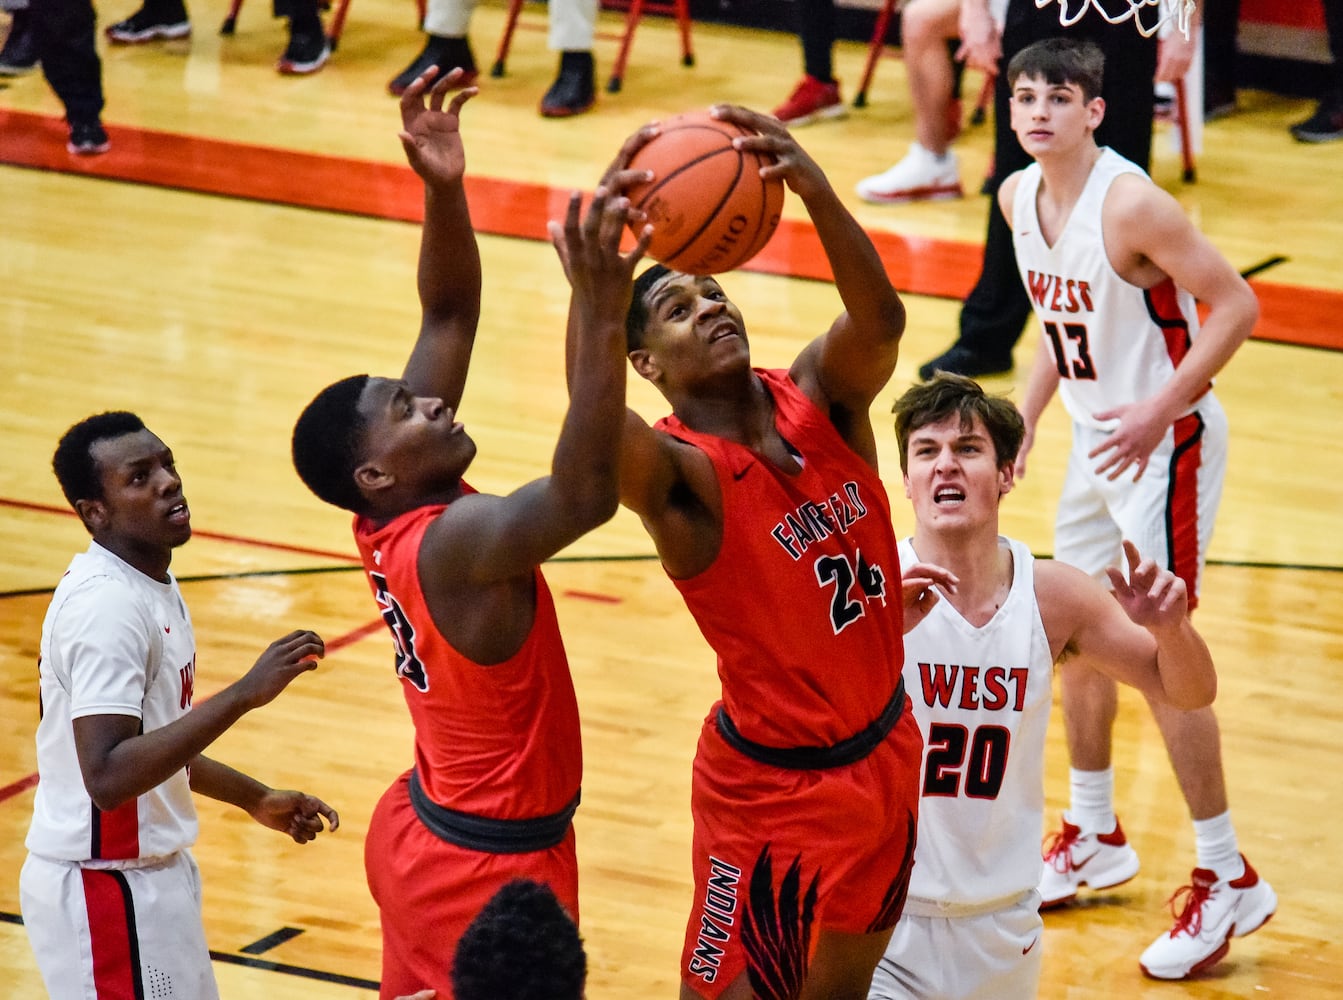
{"points": [[1115, 343], [111, 899], [492, 743], [802, 605], [981, 696]]}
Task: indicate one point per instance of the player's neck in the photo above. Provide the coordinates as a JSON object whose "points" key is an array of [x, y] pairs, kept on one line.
{"points": [[1064, 175], [738, 408], [152, 561], [981, 561]]}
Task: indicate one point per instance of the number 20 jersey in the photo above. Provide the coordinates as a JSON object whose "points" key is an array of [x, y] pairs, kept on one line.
{"points": [[981, 697], [1113, 342], [802, 603]]}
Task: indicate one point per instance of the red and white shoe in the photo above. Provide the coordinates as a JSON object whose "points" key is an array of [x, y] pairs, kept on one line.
{"points": [[811, 101], [920, 176], [1101, 861], [1211, 913]]}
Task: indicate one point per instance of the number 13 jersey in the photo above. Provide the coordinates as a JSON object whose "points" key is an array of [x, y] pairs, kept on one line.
{"points": [[1113, 342]]}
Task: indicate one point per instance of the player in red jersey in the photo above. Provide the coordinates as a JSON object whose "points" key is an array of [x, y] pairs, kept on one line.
{"points": [[456, 573], [761, 494]]}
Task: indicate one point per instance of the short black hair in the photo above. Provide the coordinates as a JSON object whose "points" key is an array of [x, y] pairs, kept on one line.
{"points": [[521, 946], [636, 320], [73, 462], [1061, 61], [945, 394], [327, 443]]}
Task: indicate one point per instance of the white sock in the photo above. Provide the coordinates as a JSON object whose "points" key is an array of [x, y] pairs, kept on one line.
{"points": [[1092, 800], [1216, 847]]}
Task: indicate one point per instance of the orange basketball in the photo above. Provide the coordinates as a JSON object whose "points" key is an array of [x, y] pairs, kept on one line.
{"points": [[709, 208]]}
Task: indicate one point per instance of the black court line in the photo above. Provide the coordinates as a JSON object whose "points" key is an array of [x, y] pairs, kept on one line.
{"points": [[313, 570], [265, 944], [262, 964], [1262, 266]]}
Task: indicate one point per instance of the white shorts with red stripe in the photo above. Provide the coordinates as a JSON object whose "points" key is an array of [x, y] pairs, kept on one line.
{"points": [[1168, 513], [118, 934]]}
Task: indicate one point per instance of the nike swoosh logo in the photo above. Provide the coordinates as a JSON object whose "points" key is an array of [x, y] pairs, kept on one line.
{"points": [[739, 476], [1027, 950], [167, 630]]}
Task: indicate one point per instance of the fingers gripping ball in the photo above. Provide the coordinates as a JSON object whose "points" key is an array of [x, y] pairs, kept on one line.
{"points": [[709, 207]]}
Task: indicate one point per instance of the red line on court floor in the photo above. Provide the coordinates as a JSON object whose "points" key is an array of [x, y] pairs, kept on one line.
{"points": [[1289, 314], [587, 595], [22, 785], [217, 536], [350, 638]]}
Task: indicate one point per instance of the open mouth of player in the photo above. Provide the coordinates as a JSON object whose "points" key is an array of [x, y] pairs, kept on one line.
{"points": [[948, 495], [179, 514]]}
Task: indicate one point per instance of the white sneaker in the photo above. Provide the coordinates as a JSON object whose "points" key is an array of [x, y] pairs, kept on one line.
{"points": [[920, 176], [1214, 912], [1101, 861]]}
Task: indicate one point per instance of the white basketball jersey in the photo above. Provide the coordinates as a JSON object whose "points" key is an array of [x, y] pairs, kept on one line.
{"points": [[114, 642], [981, 697], [1113, 342]]}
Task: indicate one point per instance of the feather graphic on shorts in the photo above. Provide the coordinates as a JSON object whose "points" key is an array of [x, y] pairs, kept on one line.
{"points": [[776, 931]]}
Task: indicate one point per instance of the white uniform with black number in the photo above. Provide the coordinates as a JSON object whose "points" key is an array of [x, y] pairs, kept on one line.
{"points": [[971, 927], [1115, 343], [100, 889]]}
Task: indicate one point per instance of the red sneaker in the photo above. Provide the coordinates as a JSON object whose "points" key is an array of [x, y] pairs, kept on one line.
{"points": [[811, 101]]}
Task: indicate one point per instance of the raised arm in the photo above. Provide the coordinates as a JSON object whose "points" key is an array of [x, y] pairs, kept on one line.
{"points": [[846, 369], [449, 270], [483, 539], [1140, 635]]}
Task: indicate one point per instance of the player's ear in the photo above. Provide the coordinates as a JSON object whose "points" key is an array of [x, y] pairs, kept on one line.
{"points": [[1007, 478], [93, 513], [909, 493], [644, 364], [371, 479], [1095, 112]]}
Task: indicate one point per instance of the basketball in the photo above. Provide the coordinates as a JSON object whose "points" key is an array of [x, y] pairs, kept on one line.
{"points": [[709, 208]]}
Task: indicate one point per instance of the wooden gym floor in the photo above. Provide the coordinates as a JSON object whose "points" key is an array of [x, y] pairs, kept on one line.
{"points": [[251, 238]]}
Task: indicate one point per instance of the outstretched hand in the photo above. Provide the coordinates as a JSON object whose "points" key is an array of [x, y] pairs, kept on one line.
{"points": [[589, 251], [918, 590], [1151, 596], [431, 135], [294, 813], [792, 163], [281, 662]]}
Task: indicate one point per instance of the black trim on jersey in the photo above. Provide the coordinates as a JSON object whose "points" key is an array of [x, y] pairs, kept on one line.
{"points": [[841, 754], [1173, 479], [1177, 322], [493, 836]]}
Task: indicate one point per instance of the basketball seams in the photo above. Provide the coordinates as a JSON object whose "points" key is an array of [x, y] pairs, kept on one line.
{"points": [[732, 215]]}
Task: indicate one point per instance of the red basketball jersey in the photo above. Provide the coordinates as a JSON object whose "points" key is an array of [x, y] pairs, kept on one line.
{"points": [[500, 741], [802, 603]]}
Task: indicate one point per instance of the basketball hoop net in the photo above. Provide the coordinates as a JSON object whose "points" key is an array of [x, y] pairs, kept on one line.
{"points": [[1179, 11]]}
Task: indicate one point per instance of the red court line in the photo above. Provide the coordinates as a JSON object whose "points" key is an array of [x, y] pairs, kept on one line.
{"points": [[1289, 314], [259, 543], [350, 638], [22, 785]]}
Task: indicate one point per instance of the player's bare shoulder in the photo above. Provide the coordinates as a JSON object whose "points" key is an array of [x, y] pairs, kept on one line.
{"points": [[1067, 599], [1007, 192]]}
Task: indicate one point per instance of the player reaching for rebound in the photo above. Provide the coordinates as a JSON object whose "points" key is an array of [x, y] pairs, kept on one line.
{"points": [[979, 668], [456, 573], [761, 494], [1113, 267]]}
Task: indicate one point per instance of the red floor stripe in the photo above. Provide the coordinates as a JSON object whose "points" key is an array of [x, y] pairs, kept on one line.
{"points": [[22, 785], [350, 638], [259, 543], [916, 265]]}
